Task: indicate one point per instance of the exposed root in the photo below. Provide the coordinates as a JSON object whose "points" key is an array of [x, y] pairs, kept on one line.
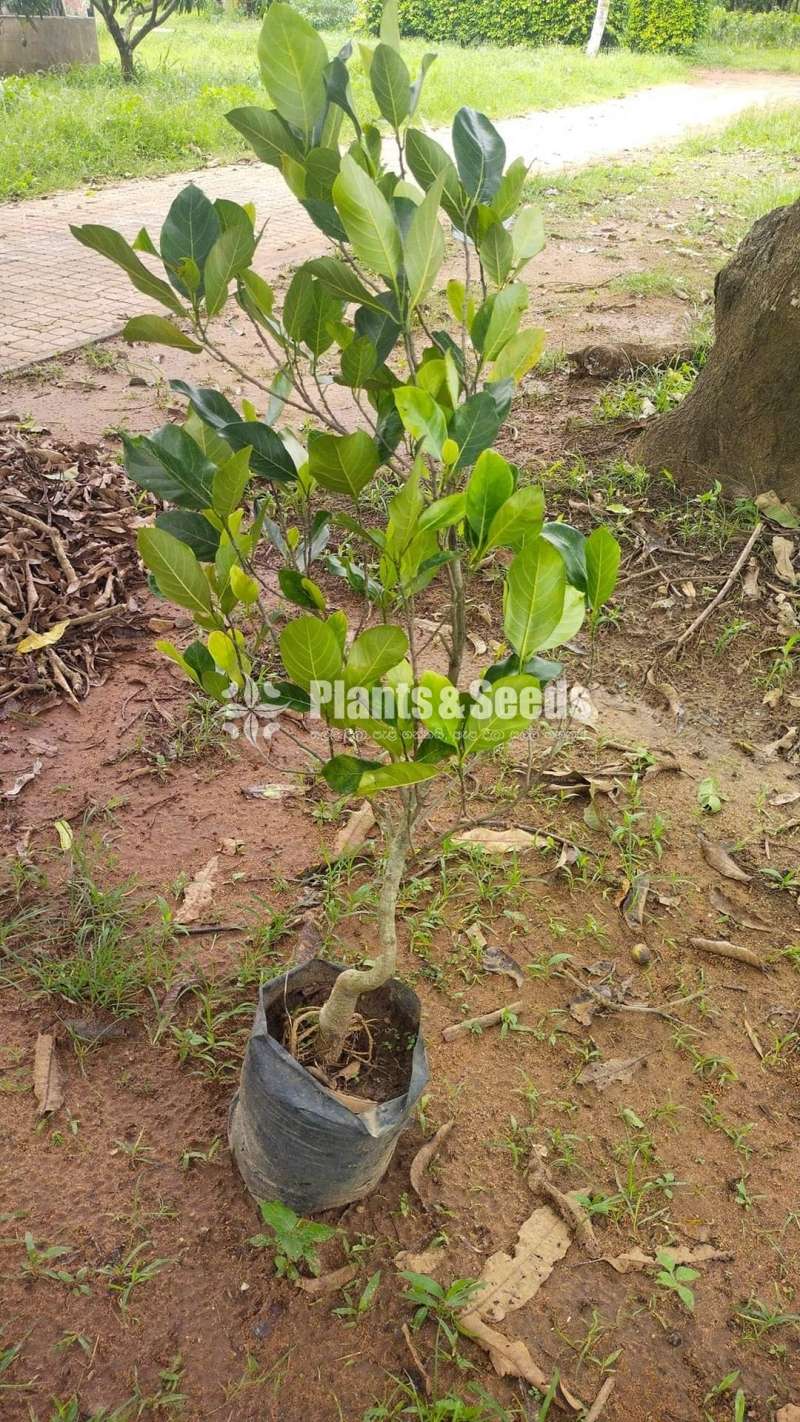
{"points": [[301, 1040]]}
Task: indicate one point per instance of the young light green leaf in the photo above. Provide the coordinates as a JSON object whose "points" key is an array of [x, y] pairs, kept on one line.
{"points": [[344, 464], [504, 711], [293, 58], [390, 23], [230, 482], [374, 653], [519, 355], [424, 245], [396, 777], [230, 255], [490, 484], [444, 513], [310, 651], [176, 570], [506, 314], [520, 517], [602, 565], [534, 596], [570, 621], [497, 252], [367, 219], [440, 710], [527, 235], [422, 418], [391, 85]]}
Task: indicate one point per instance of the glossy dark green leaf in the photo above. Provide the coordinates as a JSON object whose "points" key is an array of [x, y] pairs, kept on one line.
{"points": [[343, 773], [480, 154], [169, 463], [192, 529], [269, 137], [270, 458], [391, 84], [190, 229], [474, 427], [113, 245], [571, 544], [343, 464], [210, 405]]}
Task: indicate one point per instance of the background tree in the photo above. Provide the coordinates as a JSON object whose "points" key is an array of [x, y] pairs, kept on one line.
{"points": [[129, 22], [739, 424]]}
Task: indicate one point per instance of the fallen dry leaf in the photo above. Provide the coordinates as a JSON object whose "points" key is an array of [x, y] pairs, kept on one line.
{"points": [[272, 792], [510, 1357], [634, 902], [198, 896], [47, 1082], [309, 940], [604, 1074], [636, 1260], [719, 859], [746, 918], [354, 831], [496, 961], [507, 1282], [784, 742], [669, 695], [750, 586], [757, 1047], [22, 780], [329, 1283], [723, 949], [426, 1263], [789, 798], [500, 841], [424, 1158], [782, 549]]}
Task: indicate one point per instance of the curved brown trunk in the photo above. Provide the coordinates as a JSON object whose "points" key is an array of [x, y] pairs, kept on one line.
{"points": [[739, 424]]}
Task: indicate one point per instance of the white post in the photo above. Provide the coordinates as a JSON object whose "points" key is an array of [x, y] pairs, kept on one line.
{"points": [[598, 28]]}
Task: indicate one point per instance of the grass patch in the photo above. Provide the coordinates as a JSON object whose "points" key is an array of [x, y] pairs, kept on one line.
{"points": [[86, 126], [717, 55]]}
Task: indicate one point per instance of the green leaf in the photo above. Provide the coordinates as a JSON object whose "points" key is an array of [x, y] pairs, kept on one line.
{"points": [[358, 363], [506, 199], [506, 314], [176, 570], [602, 566], [390, 24], [416, 87], [367, 219], [192, 529], [112, 245], [570, 622], [168, 649], [230, 255], [343, 773], [299, 590], [171, 465], [269, 456], [519, 355], [428, 161], [211, 405], [230, 482], [474, 427], [440, 708], [708, 796], [401, 528], [490, 485], [534, 596], [527, 235], [341, 281], [480, 154], [191, 227], [422, 418], [267, 134], [391, 85], [310, 651], [424, 245], [344, 464], [571, 544], [374, 653], [497, 252], [395, 777], [293, 59], [519, 518], [505, 710], [158, 330], [444, 513]]}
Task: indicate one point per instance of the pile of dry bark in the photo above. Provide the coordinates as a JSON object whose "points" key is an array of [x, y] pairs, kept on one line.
{"points": [[68, 564]]}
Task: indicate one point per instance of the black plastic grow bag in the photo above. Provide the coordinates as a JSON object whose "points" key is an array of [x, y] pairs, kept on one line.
{"points": [[289, 1135]]}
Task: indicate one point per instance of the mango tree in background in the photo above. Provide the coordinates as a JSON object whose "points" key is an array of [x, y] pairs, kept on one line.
{"points": [[428, 404]]}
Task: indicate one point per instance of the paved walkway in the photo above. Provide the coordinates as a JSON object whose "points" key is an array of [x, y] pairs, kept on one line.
{"points": [[55, 295]]}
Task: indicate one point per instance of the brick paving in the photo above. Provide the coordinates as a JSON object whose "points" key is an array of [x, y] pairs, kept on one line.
{"points": [[55, 295]]}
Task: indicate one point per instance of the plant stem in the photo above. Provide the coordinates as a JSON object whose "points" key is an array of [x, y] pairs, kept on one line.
{"points": [[337, 1013]]}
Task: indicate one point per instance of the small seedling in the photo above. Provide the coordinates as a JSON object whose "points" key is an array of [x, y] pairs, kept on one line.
{"points": [[676, 1277], [709, 797], [294, 1240], [355, 1308]]}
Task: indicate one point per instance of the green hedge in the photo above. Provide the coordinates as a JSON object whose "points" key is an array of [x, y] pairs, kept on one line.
{"points": [[652, 25], [778, 29], [471, 22], [665, 26]]}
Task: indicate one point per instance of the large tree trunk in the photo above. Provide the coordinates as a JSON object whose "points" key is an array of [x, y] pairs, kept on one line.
{"points": [[740, 423]]}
